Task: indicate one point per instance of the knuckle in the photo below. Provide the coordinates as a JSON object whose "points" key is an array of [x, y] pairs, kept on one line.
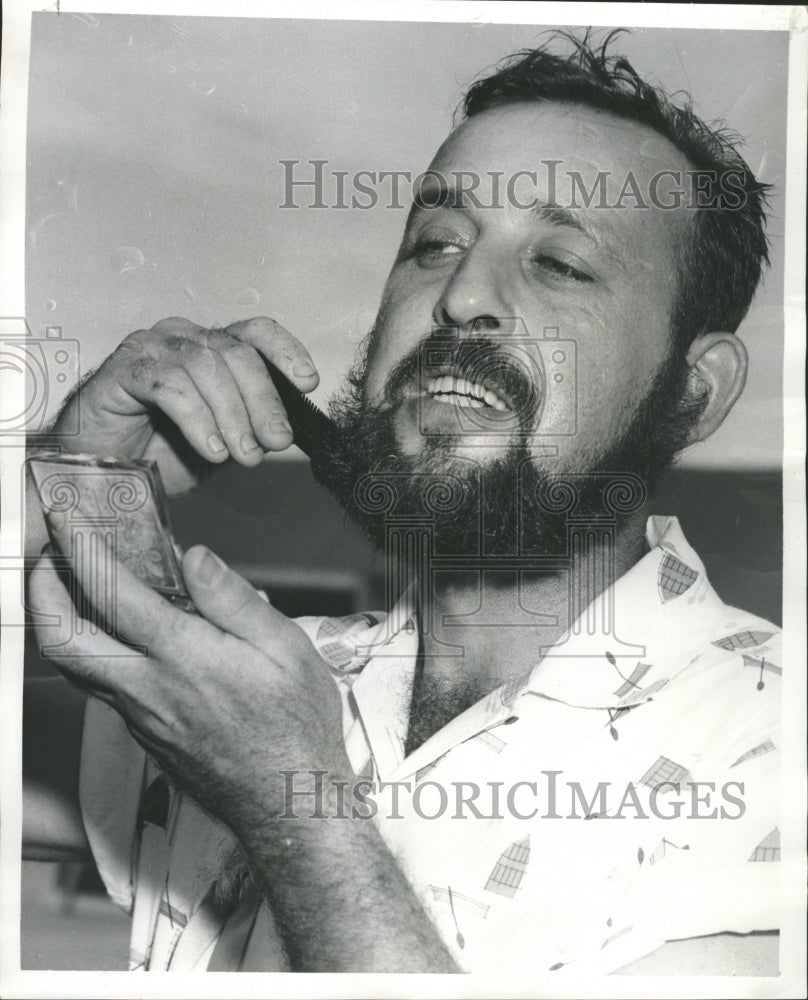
{"points": [[180, 344], [227, 348], [203, 359], [216, 339], [175, 324], [258, 323], [237, 351], [259, 328], [238, 345], [164, 382], [134, 341], [145, 373], [129, 355]]}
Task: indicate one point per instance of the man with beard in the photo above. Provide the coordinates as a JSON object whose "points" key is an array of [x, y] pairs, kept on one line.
{"points": [[554, 658]]}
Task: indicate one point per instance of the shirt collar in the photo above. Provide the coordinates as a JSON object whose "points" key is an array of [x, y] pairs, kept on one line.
{"points": [[626, 646], [633, 639]]}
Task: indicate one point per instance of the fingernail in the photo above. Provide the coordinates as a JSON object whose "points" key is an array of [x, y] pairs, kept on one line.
{"points": [[216, 443], [303, 368], [210, 568], [283, 422], [248, 443]]}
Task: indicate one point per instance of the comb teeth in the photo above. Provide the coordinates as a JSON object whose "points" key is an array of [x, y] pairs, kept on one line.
{"points": [[313, 431]]}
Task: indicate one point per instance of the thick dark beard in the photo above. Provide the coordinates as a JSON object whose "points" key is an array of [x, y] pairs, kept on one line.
{"points": [[496, 509], [655, 434], [657, 431]]}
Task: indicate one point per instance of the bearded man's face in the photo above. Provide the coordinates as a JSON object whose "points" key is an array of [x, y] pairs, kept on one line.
{"points": [[449, 396], [494, 505]]}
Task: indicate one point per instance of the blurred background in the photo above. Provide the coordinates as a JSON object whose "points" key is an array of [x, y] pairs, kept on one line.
{"points": [[154, 181], [155, 178]]}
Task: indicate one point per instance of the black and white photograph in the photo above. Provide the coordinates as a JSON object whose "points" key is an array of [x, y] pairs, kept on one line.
{"points": [[403, 540]]}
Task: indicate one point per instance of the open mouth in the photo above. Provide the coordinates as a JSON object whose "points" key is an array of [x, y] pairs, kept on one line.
{"points": [[462, 392]]}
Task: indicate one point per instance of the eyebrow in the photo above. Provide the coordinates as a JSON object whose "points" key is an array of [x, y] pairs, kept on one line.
{"points": [[558, 216], [555, 215]]}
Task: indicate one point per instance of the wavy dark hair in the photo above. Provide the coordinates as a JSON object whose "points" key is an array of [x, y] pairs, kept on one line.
{"points": [[719, 266]]}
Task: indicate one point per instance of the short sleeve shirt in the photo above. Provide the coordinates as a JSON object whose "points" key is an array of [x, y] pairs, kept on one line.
{"points": [[622, 794]]}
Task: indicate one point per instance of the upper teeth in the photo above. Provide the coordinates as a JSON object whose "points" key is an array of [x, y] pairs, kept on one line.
{"points": [[470, 393]]}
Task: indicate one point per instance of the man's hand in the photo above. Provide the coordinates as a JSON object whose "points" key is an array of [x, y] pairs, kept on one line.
{"points": [[223, 702], [190, 398]]}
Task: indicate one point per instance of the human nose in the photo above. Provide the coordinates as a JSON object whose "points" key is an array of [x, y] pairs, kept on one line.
{"points": [[473, 297]]}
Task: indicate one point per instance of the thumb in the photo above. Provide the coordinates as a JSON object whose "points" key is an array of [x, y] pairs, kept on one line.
{"points": [[229, 601]]}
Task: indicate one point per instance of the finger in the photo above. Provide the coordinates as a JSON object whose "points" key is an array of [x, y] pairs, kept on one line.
{"points": [[172, 390], [88, 657], [205, 364], [129, 608], [186, 348], [265, 413], [228, 600], [281, 348], [264, 405]]}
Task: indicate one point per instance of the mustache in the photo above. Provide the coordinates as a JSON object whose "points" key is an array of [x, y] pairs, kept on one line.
{"points": [[513, 375], [499, 517]]}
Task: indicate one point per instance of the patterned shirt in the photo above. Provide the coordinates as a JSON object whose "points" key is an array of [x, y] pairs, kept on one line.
{"points": [[623, 794]]}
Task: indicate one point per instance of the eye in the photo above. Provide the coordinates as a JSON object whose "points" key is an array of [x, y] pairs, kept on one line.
{"points": [[433, 249], [435, 244], [560, 268]]}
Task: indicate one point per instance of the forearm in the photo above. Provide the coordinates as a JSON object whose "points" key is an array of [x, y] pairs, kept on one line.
{"points": [[227, 702], [340, 899]]}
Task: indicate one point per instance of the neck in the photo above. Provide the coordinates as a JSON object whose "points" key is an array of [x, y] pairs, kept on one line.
{"points": [[485, 627]]}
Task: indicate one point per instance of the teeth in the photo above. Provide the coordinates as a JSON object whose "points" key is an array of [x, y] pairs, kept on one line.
{"points": [[447, 388], [493, 400], [457, 400]]}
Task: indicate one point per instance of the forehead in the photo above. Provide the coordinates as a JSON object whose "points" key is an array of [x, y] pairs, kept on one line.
{"points": [[573, 150], [522, 136]]}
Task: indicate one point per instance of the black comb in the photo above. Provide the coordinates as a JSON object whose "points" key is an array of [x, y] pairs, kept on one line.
{"points": [[313, 431]]}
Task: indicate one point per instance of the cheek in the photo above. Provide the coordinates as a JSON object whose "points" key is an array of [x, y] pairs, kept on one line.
{"points": [[404, 320], [608, 398], [616, 366]]}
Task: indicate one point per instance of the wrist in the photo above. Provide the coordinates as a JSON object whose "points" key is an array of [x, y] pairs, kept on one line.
{"points": [[337, 892], [292, 800]]}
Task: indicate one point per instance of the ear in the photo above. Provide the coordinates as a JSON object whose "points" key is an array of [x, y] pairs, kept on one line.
{"points": [[718, 361]]}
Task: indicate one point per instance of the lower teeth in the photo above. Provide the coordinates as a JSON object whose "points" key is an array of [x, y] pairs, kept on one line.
{"points": [[453, 397]]}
